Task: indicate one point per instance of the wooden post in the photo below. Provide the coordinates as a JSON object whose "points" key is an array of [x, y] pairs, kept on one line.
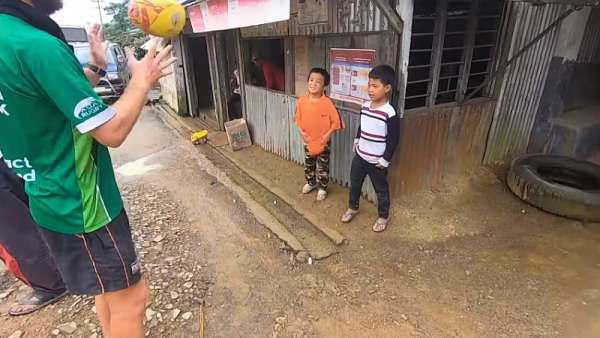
{"points": [[289, 66], [406, 13], [393, 17], [215, 73], [222, 76], [438, 50], [242, 71], [182, 98], [190, 79], [468, 53]]}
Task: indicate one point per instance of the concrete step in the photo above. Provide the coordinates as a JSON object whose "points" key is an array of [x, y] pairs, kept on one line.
{"points": [[575, 133]]}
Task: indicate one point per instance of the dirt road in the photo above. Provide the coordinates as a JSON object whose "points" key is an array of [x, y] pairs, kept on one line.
{"points": [[459, 266]]}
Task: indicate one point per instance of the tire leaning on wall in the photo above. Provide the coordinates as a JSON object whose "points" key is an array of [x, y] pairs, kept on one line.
{"points": [[558, 184]]}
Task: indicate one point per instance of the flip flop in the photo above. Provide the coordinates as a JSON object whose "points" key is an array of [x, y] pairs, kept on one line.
{"points": [[380, 225], [33, 302], [349, 215]]}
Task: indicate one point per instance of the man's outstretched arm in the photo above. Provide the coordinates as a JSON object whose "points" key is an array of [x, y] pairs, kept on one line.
{"points": [[145, 74]]}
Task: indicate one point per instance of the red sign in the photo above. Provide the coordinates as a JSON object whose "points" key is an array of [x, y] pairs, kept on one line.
{"points": [[212, 15]]}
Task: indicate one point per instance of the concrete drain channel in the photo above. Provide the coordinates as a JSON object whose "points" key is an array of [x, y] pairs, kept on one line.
{"points": [[317, 245]]}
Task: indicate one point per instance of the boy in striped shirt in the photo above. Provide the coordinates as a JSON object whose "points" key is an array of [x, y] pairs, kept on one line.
{"points": [[374, 145]]}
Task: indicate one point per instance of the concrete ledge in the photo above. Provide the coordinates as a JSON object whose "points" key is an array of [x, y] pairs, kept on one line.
{"points": [[263, 216], [216, 142]]}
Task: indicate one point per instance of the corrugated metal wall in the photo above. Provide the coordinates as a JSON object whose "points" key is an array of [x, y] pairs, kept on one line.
{"points": [[590, 46], [296, 142], [434, 141], [420, 161], [439, 141], [467, 133], [256, 101], [271, 116], [342, 154], [522, 84]]}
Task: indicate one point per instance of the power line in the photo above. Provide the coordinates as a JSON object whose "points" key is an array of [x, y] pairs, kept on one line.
{"points": [[99, 6]]}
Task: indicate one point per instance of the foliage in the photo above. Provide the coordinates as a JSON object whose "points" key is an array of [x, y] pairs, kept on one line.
{"points": [[120, 30]]}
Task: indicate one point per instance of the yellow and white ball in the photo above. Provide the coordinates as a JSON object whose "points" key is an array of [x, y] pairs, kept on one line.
{"points": [[164, 18]]}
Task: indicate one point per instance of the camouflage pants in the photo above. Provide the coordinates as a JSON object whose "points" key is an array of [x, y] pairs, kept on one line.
{"points": [[316, 168]]}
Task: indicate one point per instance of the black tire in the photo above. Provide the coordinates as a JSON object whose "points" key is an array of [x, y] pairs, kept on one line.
{"points": [[558, 184]]}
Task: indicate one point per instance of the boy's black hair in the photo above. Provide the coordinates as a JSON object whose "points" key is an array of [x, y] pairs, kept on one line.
{"points": [[323, 72], [384, 73]]}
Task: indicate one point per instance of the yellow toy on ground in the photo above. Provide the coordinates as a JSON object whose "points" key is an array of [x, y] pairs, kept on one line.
{"points": [[200, 137], [164, 18]]}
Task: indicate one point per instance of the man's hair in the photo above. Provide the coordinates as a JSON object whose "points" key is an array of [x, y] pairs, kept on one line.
{"points": [[323, 72], [384, 73], [47, 6]]}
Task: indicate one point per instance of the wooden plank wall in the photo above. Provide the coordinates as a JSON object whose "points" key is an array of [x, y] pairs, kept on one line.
{"points": [[318, 17]]}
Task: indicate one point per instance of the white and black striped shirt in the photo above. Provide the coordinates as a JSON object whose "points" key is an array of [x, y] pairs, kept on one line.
{"points": [[378, 134]]}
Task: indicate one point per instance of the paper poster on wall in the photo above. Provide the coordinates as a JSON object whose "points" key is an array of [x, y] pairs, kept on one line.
{"points": [[350, 73], [212, 15]]}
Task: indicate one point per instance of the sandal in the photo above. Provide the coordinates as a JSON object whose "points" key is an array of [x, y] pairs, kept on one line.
{"points": [[380, 225], [321, 195], [349, 215], [33, 302]]}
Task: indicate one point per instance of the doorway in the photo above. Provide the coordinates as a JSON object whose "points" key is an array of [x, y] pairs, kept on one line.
{"points": [[202, 93]]}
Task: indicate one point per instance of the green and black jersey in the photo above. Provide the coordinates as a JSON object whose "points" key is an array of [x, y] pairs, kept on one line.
{"points": [[47, 109]]}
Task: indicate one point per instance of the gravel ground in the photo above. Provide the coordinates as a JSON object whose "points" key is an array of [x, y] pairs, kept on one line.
{"points": [[467, 260], [179, 280]]}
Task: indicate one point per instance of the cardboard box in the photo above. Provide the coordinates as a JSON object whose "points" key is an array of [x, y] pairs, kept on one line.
{"points": [[238, 134]]}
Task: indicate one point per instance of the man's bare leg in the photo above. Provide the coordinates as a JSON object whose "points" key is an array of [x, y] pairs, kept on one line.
{"points": [[103, 315], [126, 311]]}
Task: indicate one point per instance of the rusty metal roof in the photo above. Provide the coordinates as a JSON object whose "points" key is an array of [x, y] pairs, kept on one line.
{"points": [[564, 2]]}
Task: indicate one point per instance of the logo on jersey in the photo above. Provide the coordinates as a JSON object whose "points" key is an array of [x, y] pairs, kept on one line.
{"points": [[87, 107], [3, 110], [22, 167]]}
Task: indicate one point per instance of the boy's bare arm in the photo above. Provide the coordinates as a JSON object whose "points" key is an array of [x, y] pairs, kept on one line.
{"points": [[336, 124], [298, 124], [327, 135]]}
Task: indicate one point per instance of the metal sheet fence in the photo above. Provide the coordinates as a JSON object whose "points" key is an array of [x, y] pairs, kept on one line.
{"points": [[434, 141], [419, 162], [523, 82], [270, 116], [590, 46], [257, 107], [296, 143], [278, 125]]}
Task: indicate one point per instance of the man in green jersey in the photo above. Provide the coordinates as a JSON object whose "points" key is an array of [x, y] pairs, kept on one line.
{"points": [[51, 119]]}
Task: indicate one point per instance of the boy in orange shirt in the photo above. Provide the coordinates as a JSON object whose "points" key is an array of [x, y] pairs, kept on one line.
{"points": [[317, 118]]}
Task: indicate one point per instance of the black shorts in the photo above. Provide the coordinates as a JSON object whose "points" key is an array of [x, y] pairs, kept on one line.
{"points": [[97, 262]]}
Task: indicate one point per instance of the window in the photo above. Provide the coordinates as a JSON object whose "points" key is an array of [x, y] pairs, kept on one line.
{"points": [[452, 49], [83, 55], [265, 63], [75, 34]]}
